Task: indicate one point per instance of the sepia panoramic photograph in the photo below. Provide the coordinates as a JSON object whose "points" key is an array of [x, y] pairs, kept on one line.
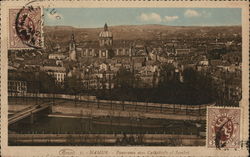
{"points": [[124, 76]]}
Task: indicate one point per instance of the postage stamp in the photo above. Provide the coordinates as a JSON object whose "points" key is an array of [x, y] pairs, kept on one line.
{"points": [[124, 78], [25, 28], [223, 126]]}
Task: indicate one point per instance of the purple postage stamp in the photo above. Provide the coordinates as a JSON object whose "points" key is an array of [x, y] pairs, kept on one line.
{"points": [[25, 28], [223, 127]]}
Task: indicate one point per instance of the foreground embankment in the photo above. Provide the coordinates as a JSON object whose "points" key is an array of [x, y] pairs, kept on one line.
{"points": [[106, 139]]}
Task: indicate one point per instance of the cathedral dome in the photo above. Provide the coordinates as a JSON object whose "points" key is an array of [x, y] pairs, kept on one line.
{"points": [[106, 33]]}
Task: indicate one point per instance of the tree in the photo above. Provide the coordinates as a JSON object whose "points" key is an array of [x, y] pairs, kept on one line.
{"points": [[72, 85], [46, 83], [167, 74], [125, 79], [199, 85]]}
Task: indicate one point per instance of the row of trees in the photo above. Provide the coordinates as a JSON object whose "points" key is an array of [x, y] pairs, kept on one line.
{"points": [[197, 87]]}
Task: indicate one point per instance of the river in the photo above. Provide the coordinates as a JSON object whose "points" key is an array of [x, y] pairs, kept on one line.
{"points": [[61, 124]]}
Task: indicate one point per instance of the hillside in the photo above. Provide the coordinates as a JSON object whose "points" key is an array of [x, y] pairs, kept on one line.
{"points": [[62, 34]]}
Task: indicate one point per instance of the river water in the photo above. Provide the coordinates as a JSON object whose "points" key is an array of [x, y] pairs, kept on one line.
{"points": [[48, 124]]}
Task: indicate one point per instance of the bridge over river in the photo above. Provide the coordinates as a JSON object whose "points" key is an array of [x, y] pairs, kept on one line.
{"points": [[26, 112]]}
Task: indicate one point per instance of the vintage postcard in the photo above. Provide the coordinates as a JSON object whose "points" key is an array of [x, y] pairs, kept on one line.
{"points": [[124, 78]]}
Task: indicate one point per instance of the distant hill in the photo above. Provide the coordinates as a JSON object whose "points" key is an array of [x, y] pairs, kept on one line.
{"points": [[62, 34]]}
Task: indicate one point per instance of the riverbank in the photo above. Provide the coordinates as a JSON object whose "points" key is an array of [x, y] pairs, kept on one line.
{"points": [[116, 109], [82, 111]]}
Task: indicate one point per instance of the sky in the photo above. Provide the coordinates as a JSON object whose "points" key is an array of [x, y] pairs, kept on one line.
{"points": [[97, 17]]}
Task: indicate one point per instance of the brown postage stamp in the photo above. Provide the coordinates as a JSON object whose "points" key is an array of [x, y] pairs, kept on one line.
{"points": [[223, 127], [25, 28], [124, 78]]}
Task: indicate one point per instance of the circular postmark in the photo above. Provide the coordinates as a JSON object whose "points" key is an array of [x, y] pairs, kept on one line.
{"points": [[28, 26]]}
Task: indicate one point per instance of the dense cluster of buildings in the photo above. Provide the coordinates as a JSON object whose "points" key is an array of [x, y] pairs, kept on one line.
{"points": [[96, 64]]}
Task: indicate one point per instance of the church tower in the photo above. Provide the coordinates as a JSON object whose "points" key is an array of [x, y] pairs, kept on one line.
{"points": [[72, 48], [106, 37]]}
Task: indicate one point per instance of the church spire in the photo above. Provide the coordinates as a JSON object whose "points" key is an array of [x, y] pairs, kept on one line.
{"points": [[105, 27], [72, 37], [72, 48]]}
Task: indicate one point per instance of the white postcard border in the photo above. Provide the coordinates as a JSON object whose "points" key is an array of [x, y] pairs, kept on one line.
{"points": [[51, 151]]}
